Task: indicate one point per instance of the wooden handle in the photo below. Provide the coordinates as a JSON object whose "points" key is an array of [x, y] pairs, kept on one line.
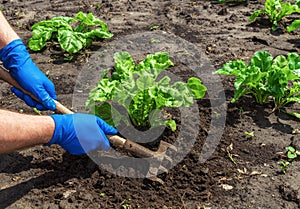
{"points": [[5, 76]]}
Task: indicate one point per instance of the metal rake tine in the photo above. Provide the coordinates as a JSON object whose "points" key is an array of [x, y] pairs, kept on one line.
{"points": [[164, 146], [162, 168], [156, 179], [153, 172], [168, 158]]}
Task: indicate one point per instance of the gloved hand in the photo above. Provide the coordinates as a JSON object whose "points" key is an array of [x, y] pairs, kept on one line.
{"points": [[81, 133], [16, 59]]}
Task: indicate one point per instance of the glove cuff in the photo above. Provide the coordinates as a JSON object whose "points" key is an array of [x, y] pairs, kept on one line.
{"points": [[14, 54], [57, 135]]}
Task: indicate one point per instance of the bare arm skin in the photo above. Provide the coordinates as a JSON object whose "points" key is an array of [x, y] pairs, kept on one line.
{"points": [[7, 34], [19, 131]]}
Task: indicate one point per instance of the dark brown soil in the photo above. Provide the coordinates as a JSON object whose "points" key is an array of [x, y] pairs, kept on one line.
{"points": [[48, 177]]}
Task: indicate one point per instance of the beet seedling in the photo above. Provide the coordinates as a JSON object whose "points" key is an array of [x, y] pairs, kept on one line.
{"points": [[292, 153], [276, 10], [266, 77], [283, 166], [72, 34], [249, 133], [141, 91]]}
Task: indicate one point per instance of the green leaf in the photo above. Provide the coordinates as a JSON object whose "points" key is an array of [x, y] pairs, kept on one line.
{"points": [[262, 60], [104, 91], [155, 63], [104, 111], [233, 68], [240, 92], [290, 148], [144, 82], [286, 9], [99, 32], [196, 87], [249, 133], [39, 38], [108, 113], [294, 63], [291, 155], [171, 124], [297, 115], [124, 64], [90, 20], [293, 26], [70, 41], [54, 24], [256, 14], [164, 82]]}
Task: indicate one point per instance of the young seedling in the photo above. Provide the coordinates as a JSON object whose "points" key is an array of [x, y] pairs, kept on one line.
{"points": [[126, 206], [229, 154], [283, 166], [249, 133], [292, 153], [154, 27]]}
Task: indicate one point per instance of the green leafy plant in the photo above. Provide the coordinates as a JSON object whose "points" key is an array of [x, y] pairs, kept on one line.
{"points": [[297, 115], [293, 26], [283, 80], [283, 166], [266, 78], [154, 27], [276, 10], [72, 34], [249, 133], [142, 91], [296, 23], [292, 153]]}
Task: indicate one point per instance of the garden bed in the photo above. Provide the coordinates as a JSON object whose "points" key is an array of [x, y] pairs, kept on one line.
{"points": [[48, 177]]}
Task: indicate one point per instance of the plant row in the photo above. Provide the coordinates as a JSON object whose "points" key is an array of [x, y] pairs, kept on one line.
{"points": [[141, 91]]}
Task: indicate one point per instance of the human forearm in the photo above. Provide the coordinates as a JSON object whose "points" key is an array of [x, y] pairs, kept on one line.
{"points": [[16, 59], [18, 131], [7, 34]]}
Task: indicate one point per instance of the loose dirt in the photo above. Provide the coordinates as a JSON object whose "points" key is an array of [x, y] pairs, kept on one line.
{"points": [[48, 177]]}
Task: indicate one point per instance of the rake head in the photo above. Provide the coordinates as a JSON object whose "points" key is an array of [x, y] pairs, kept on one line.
{"points": [[140, 151]]}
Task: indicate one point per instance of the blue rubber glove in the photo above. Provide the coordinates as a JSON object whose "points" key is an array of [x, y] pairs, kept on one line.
{"points": [[16, 59], [81, 133]]}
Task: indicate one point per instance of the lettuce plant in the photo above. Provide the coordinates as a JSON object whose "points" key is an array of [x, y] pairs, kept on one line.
{"points": [[276, 10], [266, 78], [142, 91], [73, 34]]}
